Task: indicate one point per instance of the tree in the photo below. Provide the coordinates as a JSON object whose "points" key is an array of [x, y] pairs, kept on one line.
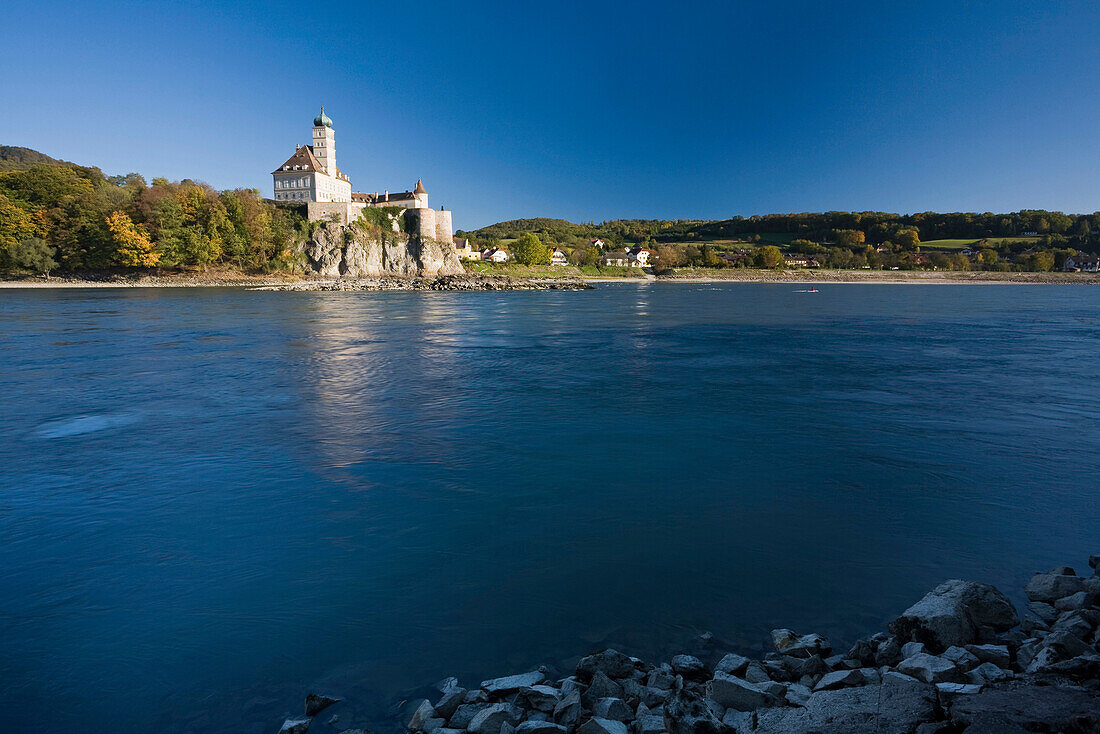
{"points": [[1043, 261], [987, 257], [135, 249], [33, 254], [529, 250], [909, 239], [850, 238], [768, 256]]}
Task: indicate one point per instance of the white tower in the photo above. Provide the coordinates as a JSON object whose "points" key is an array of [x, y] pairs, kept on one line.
{"points": [[324, 142]]}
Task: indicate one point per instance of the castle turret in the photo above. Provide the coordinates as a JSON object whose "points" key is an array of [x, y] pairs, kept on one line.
{"points": [[420, 195], [324, 143]]}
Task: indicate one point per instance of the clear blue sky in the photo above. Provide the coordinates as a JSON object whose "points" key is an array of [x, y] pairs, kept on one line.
{"points": [[586, 111]]}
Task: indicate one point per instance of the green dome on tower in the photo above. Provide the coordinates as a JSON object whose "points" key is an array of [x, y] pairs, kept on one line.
{"points": [[322, 120]]}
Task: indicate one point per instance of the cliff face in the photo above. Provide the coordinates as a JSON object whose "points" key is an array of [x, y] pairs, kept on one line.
{"points": [[357, 251]]}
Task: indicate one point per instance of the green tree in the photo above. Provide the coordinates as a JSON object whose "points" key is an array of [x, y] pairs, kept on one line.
{"points": [[987, 257], [768, 256], [850, 238], [909, 239], [528, 249], [33, 254]]}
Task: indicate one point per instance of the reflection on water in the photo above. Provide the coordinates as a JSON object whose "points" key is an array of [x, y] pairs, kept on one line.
{"points": [[211, 501]]}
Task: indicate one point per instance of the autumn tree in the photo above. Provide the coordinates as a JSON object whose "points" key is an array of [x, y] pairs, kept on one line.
{"points": [[909, 239], [850, 238], [135, 248], [528, 249], [768, 256]]}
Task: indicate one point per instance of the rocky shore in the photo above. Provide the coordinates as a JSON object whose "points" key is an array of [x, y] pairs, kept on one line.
{"points": [[441, 283], [959, 660]]}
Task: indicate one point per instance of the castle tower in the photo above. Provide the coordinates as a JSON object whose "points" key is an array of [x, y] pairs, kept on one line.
{"points": [[324, 142], [420, 195]]}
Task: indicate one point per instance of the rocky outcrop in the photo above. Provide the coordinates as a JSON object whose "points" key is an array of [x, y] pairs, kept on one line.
{"points": [[360, 250]]}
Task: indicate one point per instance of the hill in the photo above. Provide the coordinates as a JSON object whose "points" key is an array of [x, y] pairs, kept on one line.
{"points": [[16, 158]]}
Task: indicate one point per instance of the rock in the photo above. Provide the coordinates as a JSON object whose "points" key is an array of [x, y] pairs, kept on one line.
{"points": [[776, 691], [735, 693], [957, 689], [888, 652], [490, 719], [1043, 611], [903, 702], [909, 649], [961, 657], [1028, 708], [1047, 587], [755, 673], [797, 694], [541, 727], [996, 654], [601, 687], [464, 714], [432, 726], [1066, 644], [739, 720], [450, 701], [611, 663], [423, 712], [476, 696], [988, 673], [1080, 600], [1094, 563], [732, 664], [540, 698], [446, 685], [1083, 668], [952, 614], [511, 683], [839, 679], [568, 711], [613, 708], [847, 711], [687, 713], [790, 643], [316, 703], [1077, 623], [295, 726], [1045, 657], [570, 684], [929, 668], [650, 724], [690, 667], [596, 725]]}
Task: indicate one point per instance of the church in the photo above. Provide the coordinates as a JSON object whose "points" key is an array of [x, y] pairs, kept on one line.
{"points": [[311, 177]]}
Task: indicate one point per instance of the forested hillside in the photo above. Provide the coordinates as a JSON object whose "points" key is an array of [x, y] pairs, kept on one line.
{"points": [[70, 218]]}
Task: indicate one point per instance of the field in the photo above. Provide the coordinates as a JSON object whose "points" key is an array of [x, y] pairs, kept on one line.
{"points": [[963, 244]]}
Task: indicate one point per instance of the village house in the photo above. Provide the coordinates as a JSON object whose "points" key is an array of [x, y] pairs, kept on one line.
{"points": [[465, 249], [495, 254], [558, 257], [617, 259], [596, 243], [639, 257], [1082, 263], [796, 261]]}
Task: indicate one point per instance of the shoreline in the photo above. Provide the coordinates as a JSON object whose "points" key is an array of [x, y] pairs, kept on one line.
{"points": [[537, 281], [960, 657]]}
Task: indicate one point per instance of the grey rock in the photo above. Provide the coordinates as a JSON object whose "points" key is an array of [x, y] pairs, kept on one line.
{"points": [[996, 654], [540, 698], [929, 668], [450, 701], [797, 694], [432, 726], [1082, 668], [849, 710], [961, 657], [508, 728], [688, 713], [1048, 587], [692, 668], [611, 663], [296, 725], [776, 691], [1066, 644], [540, 727], [1077, 623], [492, 718], [601, 687], [903, 702], [596, 725], [1020, 707], [1094, 563], [512, 683], [649, 724], [735, 693], [1080, 600], [1043, 611], [958, 689], [613, 708], [790, 643], [952, 614], [909, 649], [1045, 657], [464, 714], [423, 712], [755, 673], [633, 689], [446, 685], [316, 703], [570, 684], [835, 661], [660, 678], [839, 679], [739, 720], [732, 664], [568, 711], [988, 673], [888, 652]]}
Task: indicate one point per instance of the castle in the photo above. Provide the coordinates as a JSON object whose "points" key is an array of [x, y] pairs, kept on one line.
{"points": [[311, 177]]}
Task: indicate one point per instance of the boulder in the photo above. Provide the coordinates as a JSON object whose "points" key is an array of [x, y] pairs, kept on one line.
{"points": [[692, 668], [988, 673], [464, 714], [952, 614], [446, 685], [1045, 612], [735, 693], [568, 711], [688, 713], [540, 698], [1048, 587], [613, 708], [541, 727], [490, 719], [423, 713], [961, 657], [755, 673], [847, 711], [1031, 708], [909, 649], [839, 679], [450, 701], [732, 664], [903, 702], [601, 687], [611, 663], [929, 668], [1081, 600], [511, 683], [789, 643], [316, 703], [596, 725], [295, 726], [650, 724], [797, 694], [996, 654]]}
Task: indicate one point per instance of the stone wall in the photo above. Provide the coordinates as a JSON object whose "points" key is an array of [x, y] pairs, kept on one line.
{"points": [[355, 251]]}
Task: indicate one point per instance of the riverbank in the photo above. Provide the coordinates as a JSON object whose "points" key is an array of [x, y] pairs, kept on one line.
{"points": [[959, 660], [546, 280]]}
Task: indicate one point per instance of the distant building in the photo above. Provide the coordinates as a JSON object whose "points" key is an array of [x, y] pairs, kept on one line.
{"points": [[796, 261], [495, 254], [639, 257], [615, 259], [465, 249], [558, 257], [596, 243], [1082, 263], [1031, 233]]}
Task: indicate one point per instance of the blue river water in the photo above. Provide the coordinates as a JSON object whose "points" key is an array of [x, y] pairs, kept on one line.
{"points": [[214, 500]]}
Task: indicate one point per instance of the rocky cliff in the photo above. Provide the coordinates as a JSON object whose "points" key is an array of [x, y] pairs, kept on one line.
{"points": [[361, 250]]}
